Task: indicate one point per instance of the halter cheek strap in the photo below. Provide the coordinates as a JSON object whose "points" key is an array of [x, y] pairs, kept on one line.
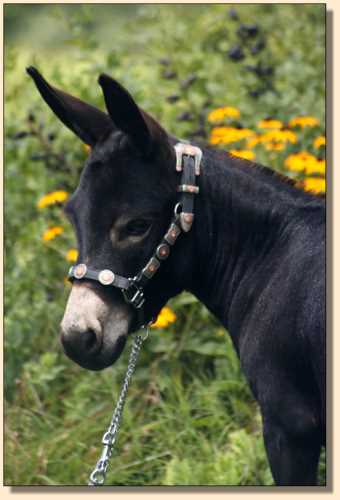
{"points": [[188, 160]]}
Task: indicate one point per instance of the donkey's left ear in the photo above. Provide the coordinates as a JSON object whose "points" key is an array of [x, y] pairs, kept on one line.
{"points": [[86, 121], [141, 128]]}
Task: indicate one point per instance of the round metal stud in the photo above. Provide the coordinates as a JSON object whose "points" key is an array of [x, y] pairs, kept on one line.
{"points": [[106, 277], [163, 251], [80, 271]]}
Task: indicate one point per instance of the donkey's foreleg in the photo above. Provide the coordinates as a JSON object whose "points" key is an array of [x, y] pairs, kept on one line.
{"points": [[293, 458]]}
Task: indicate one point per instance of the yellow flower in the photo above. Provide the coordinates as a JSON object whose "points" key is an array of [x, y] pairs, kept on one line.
{"points": [[278, 136], [304, 162], [72, 255], [243, 153], [225, 135], [303, 121], [253, 141], [219, 114], [272, 124], [52, 232], [52, 198], [319, 141], [275, 146], [165, 317], [315, 184], [87, 149], [316, 167]]}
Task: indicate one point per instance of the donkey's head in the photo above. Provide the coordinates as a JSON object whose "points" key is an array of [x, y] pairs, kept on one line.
{"points": [[120, 210]]}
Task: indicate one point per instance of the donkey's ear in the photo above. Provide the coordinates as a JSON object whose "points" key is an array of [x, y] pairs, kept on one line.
{"points": [[141, 128], [86, 121]]}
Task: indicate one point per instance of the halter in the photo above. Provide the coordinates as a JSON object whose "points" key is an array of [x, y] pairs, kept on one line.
{"points": [[188, 160]]}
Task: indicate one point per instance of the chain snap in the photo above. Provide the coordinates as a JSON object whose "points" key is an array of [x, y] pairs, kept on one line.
{"points": [[97, 477]]}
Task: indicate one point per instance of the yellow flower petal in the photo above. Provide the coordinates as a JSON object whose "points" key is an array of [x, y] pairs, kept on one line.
{"points": [[302, 162], [253, 141], [319, 141], [243, 153], [316, 167], [281, 136], [303, 121], [275, 146], [52, 198], [165, 317], [219, 114], [52, 232], [226, 135], [315, 184], [270, 124], [72, 255]]}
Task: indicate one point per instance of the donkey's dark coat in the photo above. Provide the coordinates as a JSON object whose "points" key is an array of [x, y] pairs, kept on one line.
{"points": [[255, 257]]}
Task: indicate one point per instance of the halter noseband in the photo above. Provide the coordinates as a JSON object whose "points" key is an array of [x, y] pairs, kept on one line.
{"points": [[188, 159]]}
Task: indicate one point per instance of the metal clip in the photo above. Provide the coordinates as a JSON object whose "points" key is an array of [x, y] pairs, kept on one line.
{"points": [[106, 455], [134, 294], [189, 150], [109, 437]]}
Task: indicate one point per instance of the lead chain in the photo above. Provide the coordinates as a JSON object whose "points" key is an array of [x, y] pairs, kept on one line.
{"points": [[98, 474]]}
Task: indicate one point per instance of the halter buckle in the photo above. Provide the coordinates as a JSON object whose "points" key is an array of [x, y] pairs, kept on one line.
{"points": [[134, 295], [188, 150]]}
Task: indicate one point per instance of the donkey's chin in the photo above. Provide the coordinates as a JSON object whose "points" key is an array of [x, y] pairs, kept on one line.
{"points": [[107, 356], [114, 340]]}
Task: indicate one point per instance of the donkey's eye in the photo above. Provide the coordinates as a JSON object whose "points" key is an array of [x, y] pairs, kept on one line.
{"points": [[137, 227]]}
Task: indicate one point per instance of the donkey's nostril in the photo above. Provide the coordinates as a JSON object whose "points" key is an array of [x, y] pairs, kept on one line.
{"points": [[81, 344], [90, 340]]}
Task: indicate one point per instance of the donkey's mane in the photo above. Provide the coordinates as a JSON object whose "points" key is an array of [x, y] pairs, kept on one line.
{"points": [[295, 187]]}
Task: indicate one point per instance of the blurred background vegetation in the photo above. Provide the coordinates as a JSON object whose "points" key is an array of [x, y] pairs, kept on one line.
{"points": [[190, 418]]}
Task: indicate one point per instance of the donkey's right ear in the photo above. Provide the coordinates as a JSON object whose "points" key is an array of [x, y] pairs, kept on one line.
{"points": [[86, 121]]}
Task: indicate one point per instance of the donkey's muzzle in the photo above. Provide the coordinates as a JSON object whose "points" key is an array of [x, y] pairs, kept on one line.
{"points": [[94, 331]]}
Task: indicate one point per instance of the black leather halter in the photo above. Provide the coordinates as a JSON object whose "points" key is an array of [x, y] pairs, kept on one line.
{"points": [[188, 159]]}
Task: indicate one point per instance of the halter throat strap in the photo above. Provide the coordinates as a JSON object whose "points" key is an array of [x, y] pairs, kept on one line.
{"points": [[188, 160]]}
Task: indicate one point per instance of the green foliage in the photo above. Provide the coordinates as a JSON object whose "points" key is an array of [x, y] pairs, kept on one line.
{"points": [[190, 418]]}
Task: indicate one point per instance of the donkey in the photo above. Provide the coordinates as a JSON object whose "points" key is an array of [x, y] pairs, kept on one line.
{"points": [[255, 256]]}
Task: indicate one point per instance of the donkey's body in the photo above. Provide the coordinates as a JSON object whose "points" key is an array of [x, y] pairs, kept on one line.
{"points": [[259, 267], [255, 256]]}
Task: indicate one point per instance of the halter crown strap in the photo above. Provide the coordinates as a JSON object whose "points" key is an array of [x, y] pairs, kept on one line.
{"points": [[188, 160]]}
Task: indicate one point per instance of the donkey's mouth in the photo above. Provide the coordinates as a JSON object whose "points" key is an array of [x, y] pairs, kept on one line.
{"points": [[92, 353], [98, 359]]}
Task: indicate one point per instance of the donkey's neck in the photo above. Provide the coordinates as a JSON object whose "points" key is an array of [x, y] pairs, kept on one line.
{"points": [[242, 215]]}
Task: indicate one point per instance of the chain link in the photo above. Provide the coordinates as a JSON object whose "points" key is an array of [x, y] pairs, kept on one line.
{"points": [[97, 477]]}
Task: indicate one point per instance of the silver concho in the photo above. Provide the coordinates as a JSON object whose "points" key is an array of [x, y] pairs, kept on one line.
{"points": [[106, 277], [163, 251], [80, 271]]}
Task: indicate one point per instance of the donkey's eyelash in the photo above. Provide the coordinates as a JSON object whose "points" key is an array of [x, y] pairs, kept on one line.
{"points": [[138, 227]]}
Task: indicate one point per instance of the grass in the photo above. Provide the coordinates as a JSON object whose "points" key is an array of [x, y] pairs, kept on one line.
{"points": [[190, 418]]}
